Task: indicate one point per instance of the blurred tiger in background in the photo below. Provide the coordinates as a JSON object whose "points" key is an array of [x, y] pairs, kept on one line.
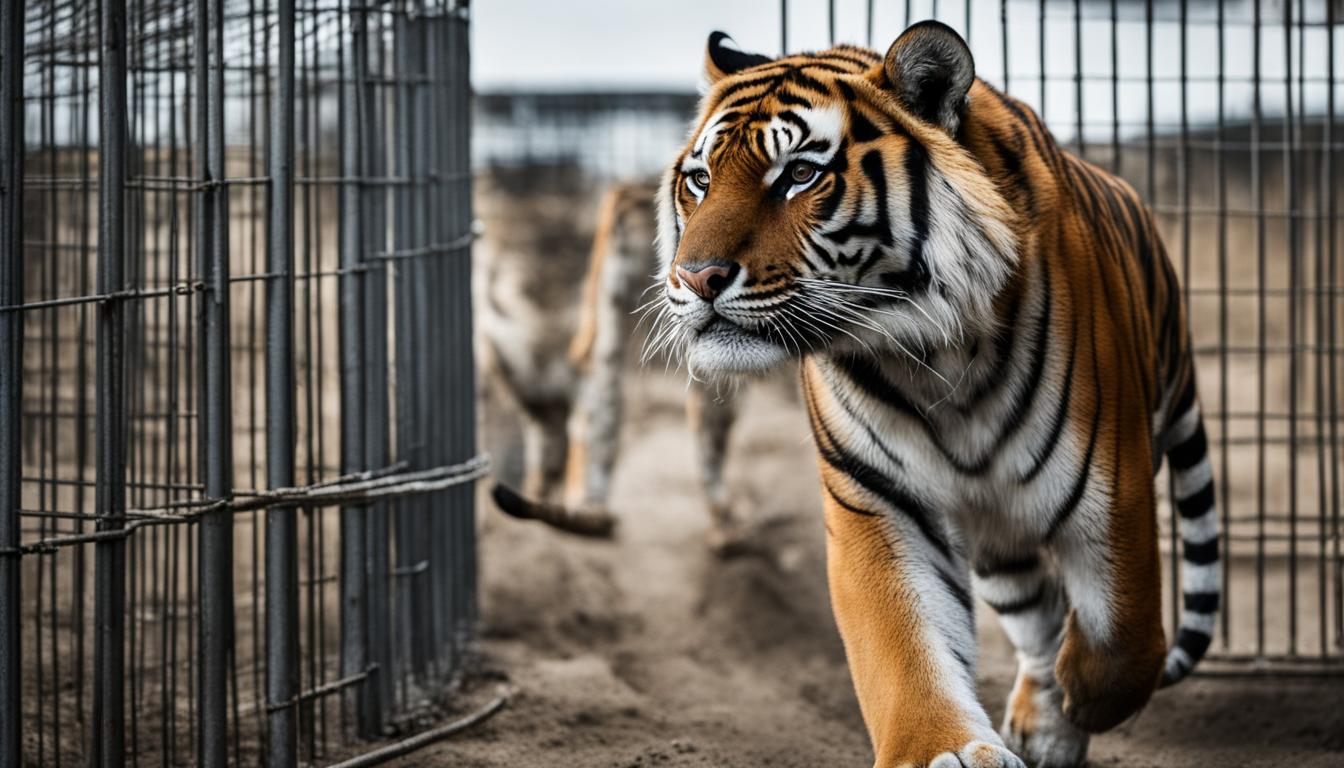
{"points": [[995, 359], [566, 379]]}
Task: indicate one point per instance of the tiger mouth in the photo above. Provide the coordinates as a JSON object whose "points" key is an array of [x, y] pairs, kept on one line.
{"points": [[720, 326]]}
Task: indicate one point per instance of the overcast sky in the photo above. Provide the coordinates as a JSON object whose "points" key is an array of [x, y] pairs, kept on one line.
{"points": [[654, 44], [572, 44]]}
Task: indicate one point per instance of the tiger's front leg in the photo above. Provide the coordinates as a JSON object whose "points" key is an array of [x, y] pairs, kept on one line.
{"points": [[905, 616]]}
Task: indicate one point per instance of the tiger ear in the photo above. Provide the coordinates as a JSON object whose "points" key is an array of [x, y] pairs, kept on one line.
{"points": [[723, 58], [930, 70]]}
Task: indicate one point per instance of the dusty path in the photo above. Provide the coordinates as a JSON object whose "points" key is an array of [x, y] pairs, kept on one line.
{"points": [[650, 652]]}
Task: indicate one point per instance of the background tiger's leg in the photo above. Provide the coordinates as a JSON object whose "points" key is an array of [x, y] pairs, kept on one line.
{"points": [[1031, 606], [544, 452], [907, 622], [594, 434], [711, 413]]}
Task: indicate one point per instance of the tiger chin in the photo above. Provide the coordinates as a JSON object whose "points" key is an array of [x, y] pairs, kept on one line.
{"points": [[995, 360]]}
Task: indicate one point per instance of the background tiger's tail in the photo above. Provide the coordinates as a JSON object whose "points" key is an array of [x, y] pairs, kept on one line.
{"points": [[593, 523], [1192, 493]]}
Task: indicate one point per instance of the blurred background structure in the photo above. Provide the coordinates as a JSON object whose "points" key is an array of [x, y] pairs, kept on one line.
{"points": [[237, 430]]}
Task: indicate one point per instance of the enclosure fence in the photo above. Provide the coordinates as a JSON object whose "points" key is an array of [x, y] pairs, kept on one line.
{"points": [[1223, 115], [237, 431]]}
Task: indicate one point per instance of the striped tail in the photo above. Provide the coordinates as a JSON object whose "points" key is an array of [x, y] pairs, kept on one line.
{"points": [[1192, 488]]}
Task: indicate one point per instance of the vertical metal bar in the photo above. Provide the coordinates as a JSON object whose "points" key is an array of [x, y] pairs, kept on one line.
{"points": [[1115, 87], [783, 27], [376, 409], [215, 535], [1003, 34], [1225, 472], [1288, 142], [1151, 135], [1078, 76], [282, 572], [109, 728], [1257, 184], [1040, 53], [1332, 223], [466, 367], [11, 369], [1183, 182], [830, 20], [439, 220], [868, 19], [1322, 361], [354, 583], [409, 418]]}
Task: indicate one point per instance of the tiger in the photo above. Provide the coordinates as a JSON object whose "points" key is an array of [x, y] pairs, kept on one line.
{"points": [[995, 359], [574, 417]]}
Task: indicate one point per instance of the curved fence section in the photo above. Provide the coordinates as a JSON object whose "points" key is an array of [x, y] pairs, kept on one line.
{"points": [[237, 430]]}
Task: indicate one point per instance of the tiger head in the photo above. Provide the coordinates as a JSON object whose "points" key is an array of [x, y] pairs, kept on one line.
{"points": [[824, 204]]}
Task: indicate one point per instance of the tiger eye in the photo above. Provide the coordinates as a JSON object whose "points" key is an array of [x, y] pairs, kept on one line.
{"points": [[803, 172], [701, 179]]}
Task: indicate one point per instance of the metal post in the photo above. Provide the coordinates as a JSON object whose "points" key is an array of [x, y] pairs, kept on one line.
{"points": [[465, 404], [376, 410], [11, 367], [354, 638], [282, 573], [214, 405], [108, 746]]}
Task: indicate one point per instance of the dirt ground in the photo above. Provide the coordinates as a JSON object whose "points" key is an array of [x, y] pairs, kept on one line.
{"points": [[648, 651]]}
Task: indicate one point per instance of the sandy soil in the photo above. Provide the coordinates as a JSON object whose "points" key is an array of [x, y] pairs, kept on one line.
{"points": [[648, 651]]}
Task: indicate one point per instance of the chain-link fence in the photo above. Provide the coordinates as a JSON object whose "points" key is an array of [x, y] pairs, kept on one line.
{"points": [[237, 425]]}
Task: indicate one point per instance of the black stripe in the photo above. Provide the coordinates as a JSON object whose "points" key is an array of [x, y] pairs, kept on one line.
{"points": [[861, 128], [874, 481], [1019, 606], [793, 99], [916, 172], [1201, 602], [1198, 503], [1026, 396], [796, 77], [959, 592], [1203, 553], [1061, 410], [1193, 642], [1182, 405], [994, 567], [845, 505], [1080, 485], [1190, 452]]}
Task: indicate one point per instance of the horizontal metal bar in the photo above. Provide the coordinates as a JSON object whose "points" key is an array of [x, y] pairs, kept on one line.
{"points": [[182, 289], [422, 740], [401, 484], [335, 686]]}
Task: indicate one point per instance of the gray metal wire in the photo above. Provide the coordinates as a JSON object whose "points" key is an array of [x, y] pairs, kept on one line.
{"points": [[195, 280]]}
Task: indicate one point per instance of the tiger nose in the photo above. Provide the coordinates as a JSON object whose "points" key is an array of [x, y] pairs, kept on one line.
{"points": [[708, 280]]}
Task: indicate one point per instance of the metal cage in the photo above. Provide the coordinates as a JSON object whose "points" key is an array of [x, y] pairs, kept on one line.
{"points": [[237, 431], [1222, 114]]}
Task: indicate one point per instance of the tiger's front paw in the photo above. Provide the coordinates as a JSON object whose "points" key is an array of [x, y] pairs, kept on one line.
{"points": [[1035, 727], [976, 754]]}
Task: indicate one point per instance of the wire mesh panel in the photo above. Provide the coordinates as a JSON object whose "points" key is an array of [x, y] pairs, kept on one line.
{"points": [[236, 517], [1222, 114]]}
